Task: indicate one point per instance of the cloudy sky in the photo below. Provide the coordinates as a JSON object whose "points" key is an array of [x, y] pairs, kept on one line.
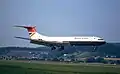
{"points": [[59, 18]]}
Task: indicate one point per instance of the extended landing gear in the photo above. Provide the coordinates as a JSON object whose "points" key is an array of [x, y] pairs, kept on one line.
{"points": [[53, 48], [59, 48]]}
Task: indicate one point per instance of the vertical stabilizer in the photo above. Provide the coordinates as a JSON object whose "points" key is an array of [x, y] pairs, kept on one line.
{"points": [[32, 32]]}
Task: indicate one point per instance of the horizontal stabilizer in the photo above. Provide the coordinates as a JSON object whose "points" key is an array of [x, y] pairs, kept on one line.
{"points": [[29, 28], [23, 38], [25, 26]]}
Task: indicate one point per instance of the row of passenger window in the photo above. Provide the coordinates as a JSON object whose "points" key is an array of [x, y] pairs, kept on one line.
{"points": [[81, 38]]}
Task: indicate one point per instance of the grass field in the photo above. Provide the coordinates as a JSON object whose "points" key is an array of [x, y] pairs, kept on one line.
{"points": [[25, 67]]}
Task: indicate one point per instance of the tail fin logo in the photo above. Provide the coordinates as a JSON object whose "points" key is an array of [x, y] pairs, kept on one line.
{"points": [[31, 34], [32, 31]]}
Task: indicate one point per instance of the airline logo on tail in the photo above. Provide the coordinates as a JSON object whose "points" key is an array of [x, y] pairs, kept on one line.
{"points": [[32, 31], [31, 34]]}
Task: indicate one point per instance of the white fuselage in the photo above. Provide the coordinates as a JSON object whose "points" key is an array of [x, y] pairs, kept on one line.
{"points": [[76, 38], [72, 38]]}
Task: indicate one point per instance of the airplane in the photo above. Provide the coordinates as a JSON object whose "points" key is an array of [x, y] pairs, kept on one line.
{"points": [[61, 42]]}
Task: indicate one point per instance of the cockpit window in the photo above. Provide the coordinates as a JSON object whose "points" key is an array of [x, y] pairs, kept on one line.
{"points": [[100, 39]]}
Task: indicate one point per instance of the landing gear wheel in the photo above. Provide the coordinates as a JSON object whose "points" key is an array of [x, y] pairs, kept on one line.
{"points": [[53, 48]]}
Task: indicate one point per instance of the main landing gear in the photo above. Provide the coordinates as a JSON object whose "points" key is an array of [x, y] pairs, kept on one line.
{"points": [[53, 48], [59, 48]]}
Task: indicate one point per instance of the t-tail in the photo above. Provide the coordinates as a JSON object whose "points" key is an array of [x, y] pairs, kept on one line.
{"points": [[33, 34]]}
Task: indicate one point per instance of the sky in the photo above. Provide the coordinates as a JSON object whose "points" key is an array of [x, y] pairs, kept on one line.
{"points": [[59, 18]]}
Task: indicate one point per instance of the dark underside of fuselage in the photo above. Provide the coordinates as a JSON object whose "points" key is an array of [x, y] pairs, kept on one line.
{"points": [[72, 43], [86, 43]]}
